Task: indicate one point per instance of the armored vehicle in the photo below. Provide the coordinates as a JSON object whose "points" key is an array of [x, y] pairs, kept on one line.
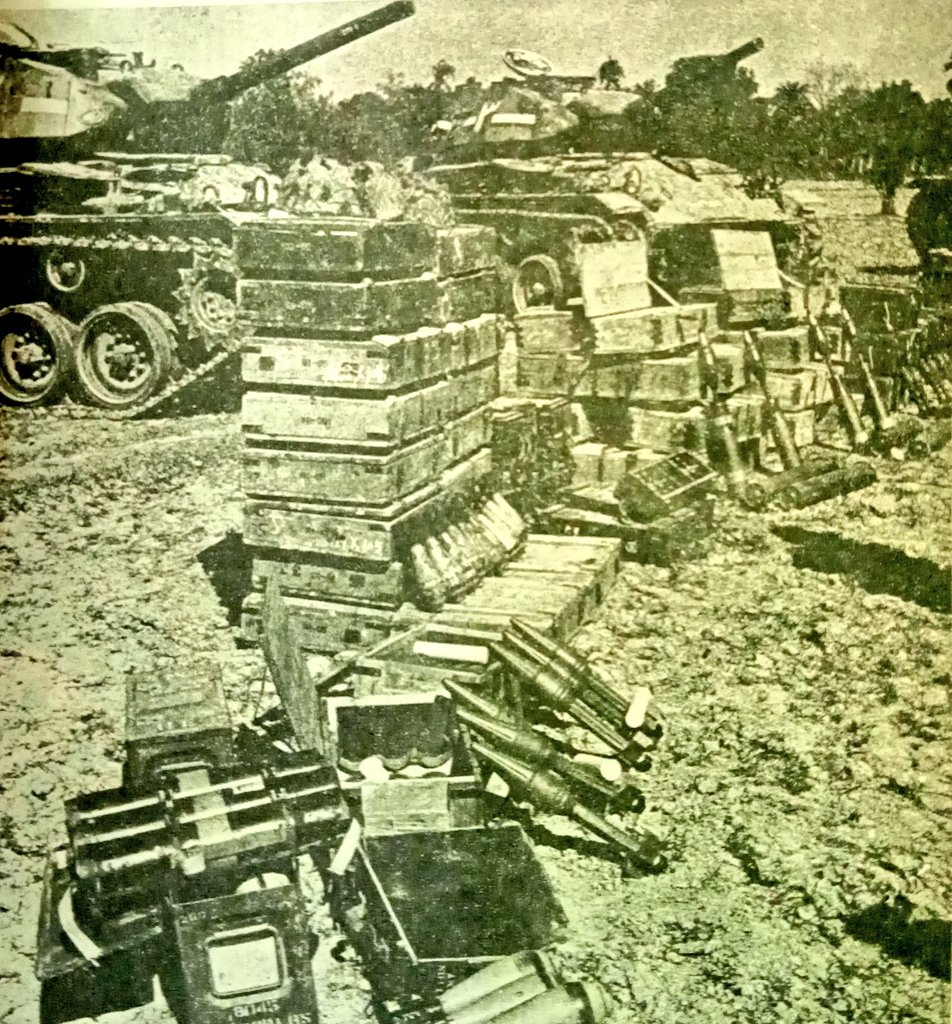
{"points": [[118, 283], [516, 165]]}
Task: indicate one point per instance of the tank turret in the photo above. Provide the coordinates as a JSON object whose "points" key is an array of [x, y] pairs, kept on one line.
{"points": [[711, 66], [128, 300], [47, 107]]}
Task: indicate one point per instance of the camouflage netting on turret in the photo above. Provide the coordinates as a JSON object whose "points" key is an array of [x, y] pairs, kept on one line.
{"points": [[324, 186]]}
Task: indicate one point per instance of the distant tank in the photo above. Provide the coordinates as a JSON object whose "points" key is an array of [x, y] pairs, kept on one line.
{"points": [[118, 281], [929, 215], [516, 164]]}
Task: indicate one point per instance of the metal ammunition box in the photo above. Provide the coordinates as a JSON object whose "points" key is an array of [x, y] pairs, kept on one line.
{"points": [[72, 986], [439, 905], [173, 722], [244, 957]]}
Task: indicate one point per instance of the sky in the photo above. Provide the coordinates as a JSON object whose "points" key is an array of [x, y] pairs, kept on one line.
{"points": [[885, 39]]}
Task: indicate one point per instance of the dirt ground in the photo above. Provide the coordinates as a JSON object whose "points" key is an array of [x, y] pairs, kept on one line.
{"points": [[803, 784]]}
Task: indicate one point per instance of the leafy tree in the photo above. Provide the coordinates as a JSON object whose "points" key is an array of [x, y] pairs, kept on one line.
{"points": [[892, 118], [825, 82], [273, 122]]}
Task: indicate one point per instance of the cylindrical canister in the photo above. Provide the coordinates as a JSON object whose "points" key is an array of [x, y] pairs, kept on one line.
{"points": [[496, 975], [499, 1001], [576, 1003]]}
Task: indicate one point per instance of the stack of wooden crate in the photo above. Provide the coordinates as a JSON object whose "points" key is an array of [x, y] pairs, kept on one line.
{"points": [[628, 355], [369, 361], [799, 383]]}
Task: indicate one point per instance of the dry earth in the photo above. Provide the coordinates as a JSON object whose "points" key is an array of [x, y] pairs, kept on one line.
{"points": [[804, 782]]}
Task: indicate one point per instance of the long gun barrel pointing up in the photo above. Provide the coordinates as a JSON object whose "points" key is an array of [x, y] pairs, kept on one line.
{"points": [[734, 57], [708, 65], [227, 87]]}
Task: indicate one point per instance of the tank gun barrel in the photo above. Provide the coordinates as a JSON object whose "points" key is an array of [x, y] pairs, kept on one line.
{"points": [[709, 65], [748, 49], [227, 87]]}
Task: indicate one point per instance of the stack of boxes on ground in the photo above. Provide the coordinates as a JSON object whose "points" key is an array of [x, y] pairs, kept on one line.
{"points": [[370, 362], [629, 357]]}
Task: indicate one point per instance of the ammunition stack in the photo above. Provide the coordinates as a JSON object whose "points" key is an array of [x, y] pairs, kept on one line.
{"points": [[906, 350], [532, 450], [189, 871], [369, 362]]}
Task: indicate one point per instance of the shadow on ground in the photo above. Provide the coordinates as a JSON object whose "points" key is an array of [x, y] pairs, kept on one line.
{"points": [[922, 943], [227, 563], [877, 568]]}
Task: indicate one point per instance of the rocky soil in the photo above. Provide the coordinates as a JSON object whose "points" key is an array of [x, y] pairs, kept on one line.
{"points": [[803, 785]]}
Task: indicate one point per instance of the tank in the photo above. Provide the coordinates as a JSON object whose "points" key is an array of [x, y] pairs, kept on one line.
{"points": [[929, 215], [516, 164], [119, 281]]}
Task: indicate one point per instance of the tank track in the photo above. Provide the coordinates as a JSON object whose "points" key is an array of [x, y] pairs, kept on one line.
{"points": [[207, 254]]}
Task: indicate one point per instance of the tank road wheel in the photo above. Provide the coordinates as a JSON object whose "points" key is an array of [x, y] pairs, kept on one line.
{"points": [[36, 354], [538, 282], [124, 354], [65, 273]]}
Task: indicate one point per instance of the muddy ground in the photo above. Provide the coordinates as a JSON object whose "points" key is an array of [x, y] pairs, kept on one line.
{"points": [[804, 781]]}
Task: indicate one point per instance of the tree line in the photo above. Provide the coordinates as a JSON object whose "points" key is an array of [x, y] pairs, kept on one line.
{"points": [[830, 124]]}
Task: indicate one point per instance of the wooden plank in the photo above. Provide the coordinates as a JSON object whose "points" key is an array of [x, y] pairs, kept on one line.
{"points": [[289, 672], [381, 534], [614, 277], [363, 308], [376, 584], [311, 246]]}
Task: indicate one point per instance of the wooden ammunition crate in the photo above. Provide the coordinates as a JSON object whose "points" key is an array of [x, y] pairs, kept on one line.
{"points": [[384, 362], [548, 330], [363, 308], [358, 477], [548, 373], [599, 557], [656, 330], [322, 417], [341, 246], [325, 627], [380, 534], [380, 584], [608, 375], [527, 594]]}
